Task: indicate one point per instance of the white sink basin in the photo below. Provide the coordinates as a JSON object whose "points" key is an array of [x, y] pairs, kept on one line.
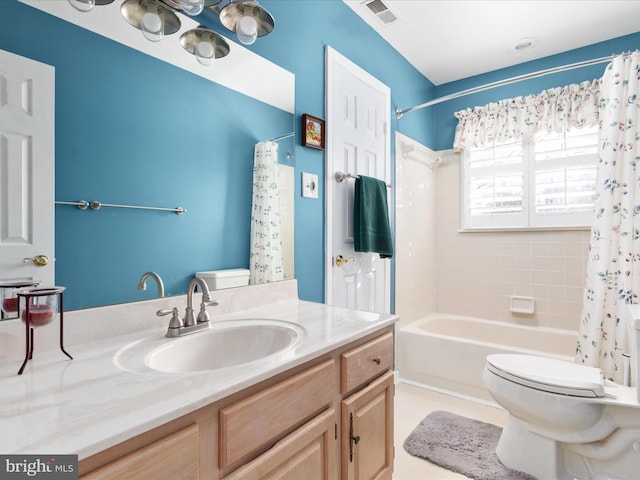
{"points": [[227, 344]]}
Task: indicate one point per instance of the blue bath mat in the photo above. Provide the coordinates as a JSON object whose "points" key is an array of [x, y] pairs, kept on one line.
{"points": [[461, 444]]}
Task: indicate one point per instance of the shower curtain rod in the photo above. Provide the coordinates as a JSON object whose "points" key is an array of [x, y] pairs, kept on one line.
{"points": [[462, 93]]}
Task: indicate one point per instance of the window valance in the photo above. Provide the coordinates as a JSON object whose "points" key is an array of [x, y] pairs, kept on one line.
{"points": [[575, 105]]}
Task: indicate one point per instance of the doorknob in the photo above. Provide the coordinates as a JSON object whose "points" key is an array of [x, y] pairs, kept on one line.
{"points": [[340, 260], [38, 260]]}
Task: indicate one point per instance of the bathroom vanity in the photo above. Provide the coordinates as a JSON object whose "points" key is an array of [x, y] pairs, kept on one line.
{"points": [[322, 408]]}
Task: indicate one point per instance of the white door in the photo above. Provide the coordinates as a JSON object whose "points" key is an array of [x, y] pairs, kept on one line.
{"points": [[26, 168], [358, 109]]}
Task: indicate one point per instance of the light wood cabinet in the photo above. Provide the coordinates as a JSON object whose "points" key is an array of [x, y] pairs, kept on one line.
{"points": [[359, 365], [174, 457], [367, 432], [367, 415], [266, 415], [327, 419], [308, 453]]}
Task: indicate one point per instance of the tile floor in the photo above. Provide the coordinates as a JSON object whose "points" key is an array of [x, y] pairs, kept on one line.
{"points": [[412, 404]]}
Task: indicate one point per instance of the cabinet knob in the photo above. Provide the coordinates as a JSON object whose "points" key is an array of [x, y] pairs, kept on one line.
{"points": [[377, 360]]}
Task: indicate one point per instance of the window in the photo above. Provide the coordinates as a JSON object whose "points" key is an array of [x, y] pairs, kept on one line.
{"points": [[543, 180]]}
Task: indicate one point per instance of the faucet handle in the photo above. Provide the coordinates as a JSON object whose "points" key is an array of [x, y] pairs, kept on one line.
{"points": [[203, 315], [175, 324]]}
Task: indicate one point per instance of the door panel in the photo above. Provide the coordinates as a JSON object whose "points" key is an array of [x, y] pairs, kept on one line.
{"points": [[26, 168], [358, 107]]}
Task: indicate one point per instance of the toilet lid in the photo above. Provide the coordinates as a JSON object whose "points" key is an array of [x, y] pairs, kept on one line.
{"points": [[548, 374]]}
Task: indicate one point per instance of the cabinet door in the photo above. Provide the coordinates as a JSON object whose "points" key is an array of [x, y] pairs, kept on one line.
{"points": [[308, 453], [361, 364], [174, 457], [262, 418], [367, 432]]}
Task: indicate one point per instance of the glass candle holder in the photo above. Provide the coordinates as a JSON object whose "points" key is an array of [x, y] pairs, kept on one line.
{"points": [[40, 305], [9, 302]]}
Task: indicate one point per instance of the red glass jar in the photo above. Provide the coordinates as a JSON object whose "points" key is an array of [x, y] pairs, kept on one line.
{"points": [[9, 302], [40, 304]]}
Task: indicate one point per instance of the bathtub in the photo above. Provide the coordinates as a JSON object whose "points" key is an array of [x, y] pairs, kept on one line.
{"points": [[448, 352]]}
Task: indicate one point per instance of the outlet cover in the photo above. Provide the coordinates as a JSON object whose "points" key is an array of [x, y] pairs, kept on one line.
{"points": [[309, 185]]}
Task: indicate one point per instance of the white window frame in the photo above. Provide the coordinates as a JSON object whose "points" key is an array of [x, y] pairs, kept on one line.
{"points": [[528, 219]]}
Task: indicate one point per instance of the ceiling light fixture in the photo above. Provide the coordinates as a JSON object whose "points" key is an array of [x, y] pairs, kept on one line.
{"points": [[525, 43], [247, 20], [87, 5], [205, 44], [157, 18], [152, 17], [191, 7]]}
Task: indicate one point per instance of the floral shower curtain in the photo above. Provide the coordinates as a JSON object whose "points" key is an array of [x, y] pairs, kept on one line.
{"points": [[265, 258], [613, 270]]}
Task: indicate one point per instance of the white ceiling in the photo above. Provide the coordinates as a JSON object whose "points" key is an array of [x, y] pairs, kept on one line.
{"points": [[447, 40]]}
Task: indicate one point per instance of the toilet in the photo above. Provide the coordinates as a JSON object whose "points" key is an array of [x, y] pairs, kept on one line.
{"points": [[564, 421]]}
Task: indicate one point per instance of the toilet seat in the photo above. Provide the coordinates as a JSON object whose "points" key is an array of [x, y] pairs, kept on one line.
{"points": [[548, 374]]}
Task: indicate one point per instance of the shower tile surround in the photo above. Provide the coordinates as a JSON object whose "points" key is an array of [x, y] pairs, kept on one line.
{"points": [[475, 273], [415, 234]]}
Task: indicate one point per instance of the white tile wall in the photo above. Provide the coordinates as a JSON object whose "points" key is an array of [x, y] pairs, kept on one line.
{"points": [[440, 269], [415, 234]]}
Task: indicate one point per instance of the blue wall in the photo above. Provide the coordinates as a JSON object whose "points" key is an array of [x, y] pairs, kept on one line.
{"points": [[303, 30], [446, 122], [196, 146], [134, 130], [193, 147]]}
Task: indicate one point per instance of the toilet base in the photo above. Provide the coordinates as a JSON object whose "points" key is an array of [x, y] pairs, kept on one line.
{"points": [[615, 458], [520, 449]]}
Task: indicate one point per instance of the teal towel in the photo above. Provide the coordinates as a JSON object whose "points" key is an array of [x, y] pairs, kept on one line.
{"points": [[372, 232]]}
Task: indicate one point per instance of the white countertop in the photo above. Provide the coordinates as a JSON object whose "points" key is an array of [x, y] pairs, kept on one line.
{"points": [[85, 405]]}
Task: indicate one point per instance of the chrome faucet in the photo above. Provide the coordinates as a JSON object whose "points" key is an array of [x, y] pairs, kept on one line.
{"points": [[203, 315], [142, 284], [190, 324]]}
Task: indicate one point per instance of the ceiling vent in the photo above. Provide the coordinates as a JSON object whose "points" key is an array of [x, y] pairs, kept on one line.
{"points": [[381, 11]]}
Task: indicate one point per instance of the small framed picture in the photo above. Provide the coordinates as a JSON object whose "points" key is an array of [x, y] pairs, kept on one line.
{"points": [[314, 134]]}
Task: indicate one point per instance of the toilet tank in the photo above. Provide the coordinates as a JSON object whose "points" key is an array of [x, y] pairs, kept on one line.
{"points": [[633, 325], [221, 279]]}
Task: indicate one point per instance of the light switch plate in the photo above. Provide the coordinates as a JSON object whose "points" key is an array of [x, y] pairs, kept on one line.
{"points": [[309, 185]]}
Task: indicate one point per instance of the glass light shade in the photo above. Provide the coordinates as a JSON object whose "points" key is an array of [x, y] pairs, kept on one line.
{"points": [[191, 7], [151, 24], [205, 44], [247, 29], [83, 5], [205, 53], [247, 20], [135, 12]]}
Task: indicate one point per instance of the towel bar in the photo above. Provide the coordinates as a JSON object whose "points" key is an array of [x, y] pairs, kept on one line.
{"points": [[340, 176], [82, 205]]}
